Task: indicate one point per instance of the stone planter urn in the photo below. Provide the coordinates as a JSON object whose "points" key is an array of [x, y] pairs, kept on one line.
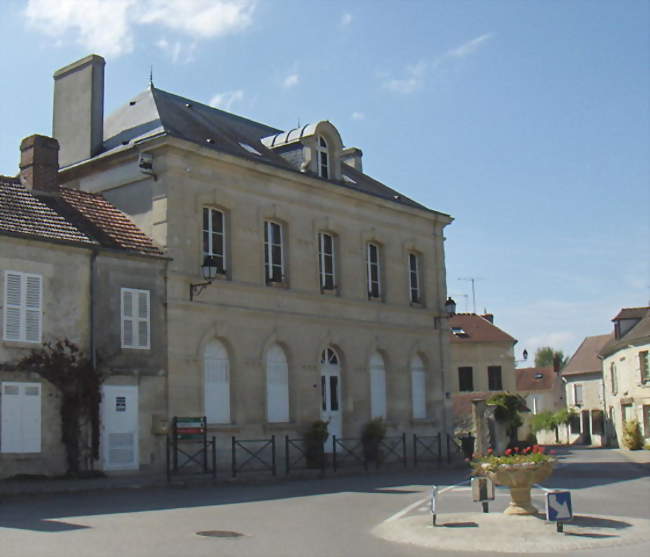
{"points": [[520, 478]]}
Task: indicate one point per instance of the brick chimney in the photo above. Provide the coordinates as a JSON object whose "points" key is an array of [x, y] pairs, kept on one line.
{"points": [[39, 163]]}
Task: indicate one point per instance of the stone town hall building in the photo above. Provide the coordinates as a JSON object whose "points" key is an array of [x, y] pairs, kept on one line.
{"points": [[326, 288]]}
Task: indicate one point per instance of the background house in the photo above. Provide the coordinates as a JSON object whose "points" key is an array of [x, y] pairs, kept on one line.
{"points": [[70, 266], [324, 283], [543, 391], [626, 371]]}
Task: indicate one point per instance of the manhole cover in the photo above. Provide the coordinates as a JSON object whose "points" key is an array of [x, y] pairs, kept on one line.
{"points": [[220, 534]]}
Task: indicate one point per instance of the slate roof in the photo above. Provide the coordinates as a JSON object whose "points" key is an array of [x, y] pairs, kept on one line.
{"points": [[631, 313], [23, 214], [70, 216], [585, 359], [639, 334], [476, 329], [155, 112], [535, 379]]}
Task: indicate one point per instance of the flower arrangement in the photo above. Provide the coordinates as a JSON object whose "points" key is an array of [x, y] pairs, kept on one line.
{"points": [[515, 458]]}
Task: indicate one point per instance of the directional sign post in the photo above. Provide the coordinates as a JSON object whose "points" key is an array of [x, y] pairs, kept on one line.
{"points": [[558, 508], [482, 491], [434, 495]]}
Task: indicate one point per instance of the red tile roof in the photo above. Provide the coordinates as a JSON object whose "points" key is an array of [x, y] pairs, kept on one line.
{"points": [[22, 213], [476, 329], [535, 379], [585, 359]]}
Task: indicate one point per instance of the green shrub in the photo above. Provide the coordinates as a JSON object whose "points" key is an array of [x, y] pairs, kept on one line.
{"points": [[315, 438], [372, 435], [632, 438]]}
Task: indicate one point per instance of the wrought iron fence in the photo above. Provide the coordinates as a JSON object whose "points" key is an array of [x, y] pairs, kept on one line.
{"points": [[300, 454], [427, 448], [253, 455], [346, 451]]}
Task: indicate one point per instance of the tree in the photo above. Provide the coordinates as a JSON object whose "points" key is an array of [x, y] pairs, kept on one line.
{"points": [[64, 365], [545, 356], [550, 421]]}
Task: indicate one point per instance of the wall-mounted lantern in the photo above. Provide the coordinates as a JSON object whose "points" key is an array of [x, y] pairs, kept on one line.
{"points": [[450, 307], [209, 270]]}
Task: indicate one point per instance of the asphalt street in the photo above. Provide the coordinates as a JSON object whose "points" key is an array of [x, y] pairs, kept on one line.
{"points": [[331, 517]]}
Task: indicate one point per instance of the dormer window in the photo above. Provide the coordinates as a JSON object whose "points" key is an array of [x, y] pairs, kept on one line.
{"points": [[323, 158]]}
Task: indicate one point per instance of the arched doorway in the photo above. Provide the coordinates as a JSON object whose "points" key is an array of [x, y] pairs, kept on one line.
{"points": [[330, 381]]}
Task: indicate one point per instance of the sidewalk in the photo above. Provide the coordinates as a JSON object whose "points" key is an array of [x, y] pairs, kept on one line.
{"points": [[641, 457]]}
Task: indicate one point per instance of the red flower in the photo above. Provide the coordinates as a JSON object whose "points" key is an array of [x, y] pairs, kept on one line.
{"points": [[516, 449], [508, 452], [527, 450], [490, 451]]}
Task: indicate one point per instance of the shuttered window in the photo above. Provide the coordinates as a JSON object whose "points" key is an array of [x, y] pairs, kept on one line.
{"points": [[23, 314], [217, 383], [20, 417], [277, 385], [418, 389], [135, 318], [377, 386]]}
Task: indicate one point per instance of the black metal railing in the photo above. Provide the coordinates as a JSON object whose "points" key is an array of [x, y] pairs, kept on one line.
{"points": [[301, 455], [427, 448], [454, 448], [253, 455], [392, 450], [190, 456], [346, 451]]}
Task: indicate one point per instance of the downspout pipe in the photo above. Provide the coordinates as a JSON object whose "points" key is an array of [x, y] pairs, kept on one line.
{"points": [[93, 289]]}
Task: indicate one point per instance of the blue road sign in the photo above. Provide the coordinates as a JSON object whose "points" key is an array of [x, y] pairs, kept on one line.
{"points": [[558, 506]]}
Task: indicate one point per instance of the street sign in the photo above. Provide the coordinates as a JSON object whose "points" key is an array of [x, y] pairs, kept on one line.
{"points": [[558, 506], [482, 489]]}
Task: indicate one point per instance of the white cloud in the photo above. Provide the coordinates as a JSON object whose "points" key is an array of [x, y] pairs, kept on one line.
{"points": [[346, 19], [470, 46], [178, 51], [108, 27], [227, 99], [411, 82], [291, 80], [358, 116]]}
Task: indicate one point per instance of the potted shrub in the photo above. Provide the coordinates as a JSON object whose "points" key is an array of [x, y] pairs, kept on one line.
{"points": [[314, 439], [372, 435], [632, 437]]}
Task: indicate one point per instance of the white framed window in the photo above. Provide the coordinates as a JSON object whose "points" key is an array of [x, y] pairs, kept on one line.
{"points": [[374, 271], [23, 302], [577, 394], [277, 385], [323, 158], [326, 258], [415, 296], [613, 377], [377, 386], [214, 237], [135, 318], [216, 386], [274, 252], [20, 417], [418, 388]]}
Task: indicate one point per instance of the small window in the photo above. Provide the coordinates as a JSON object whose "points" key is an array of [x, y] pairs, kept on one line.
{"points": [[494, 378], [323, 158], [414, 279], [23, 317], [465, 379], [214, 237], [274, 252], [326, 258], [577, 394], [644, 366], [574, 424], [135, 318], [459, 332], [374, 272]]}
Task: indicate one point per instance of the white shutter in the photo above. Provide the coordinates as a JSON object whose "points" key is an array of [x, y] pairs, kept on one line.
{"points": [[135, 318], [31, 418], [418, 389], [217, 384], [33, 308], [13, 298], [143, 319], [377, 387], [20, 417], [277, 385], [127, 318]]}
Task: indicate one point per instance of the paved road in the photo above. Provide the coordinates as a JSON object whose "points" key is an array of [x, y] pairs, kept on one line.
{"points": [[329, 518]]}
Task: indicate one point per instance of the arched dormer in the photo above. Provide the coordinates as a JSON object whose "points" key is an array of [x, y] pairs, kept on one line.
{"points": [[314, 148]]}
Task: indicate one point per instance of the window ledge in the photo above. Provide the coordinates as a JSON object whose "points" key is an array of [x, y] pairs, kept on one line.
{"points": [[223, 428], [21, 343], [417, 305], [278, 426], [329, 291], [277, 284], [376, 300], [421, 421]]}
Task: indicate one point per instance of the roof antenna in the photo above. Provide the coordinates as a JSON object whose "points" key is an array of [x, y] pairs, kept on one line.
{"points": [[298, 122], [151, 75]]}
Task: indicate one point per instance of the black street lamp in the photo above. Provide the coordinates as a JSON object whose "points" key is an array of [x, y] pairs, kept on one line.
{"points": [[209, 270], [450, 307]]}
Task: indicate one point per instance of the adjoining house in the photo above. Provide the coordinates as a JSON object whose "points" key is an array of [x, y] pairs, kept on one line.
{"points": [[626, 372], [74, 267], [542, 389], [482, 363], [299, 287], [583, 392]]}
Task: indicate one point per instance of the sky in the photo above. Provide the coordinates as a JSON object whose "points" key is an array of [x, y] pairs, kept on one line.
{"points": [[527, 121]]}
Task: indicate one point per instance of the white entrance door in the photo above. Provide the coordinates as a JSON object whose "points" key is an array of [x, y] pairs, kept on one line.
{"points": [[330, 378], [120, 427]]}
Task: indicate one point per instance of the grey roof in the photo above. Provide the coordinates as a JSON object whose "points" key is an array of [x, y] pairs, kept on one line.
{"points": [[639, 334], [155, 112], [585, 359]]}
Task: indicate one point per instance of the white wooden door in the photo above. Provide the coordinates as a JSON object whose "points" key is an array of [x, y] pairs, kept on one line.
{"points": [[20, 417], [120, 427], [330, 370]]}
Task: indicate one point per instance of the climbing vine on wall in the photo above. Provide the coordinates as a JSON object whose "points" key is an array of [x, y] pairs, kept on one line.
{"points": [[65, 366]]}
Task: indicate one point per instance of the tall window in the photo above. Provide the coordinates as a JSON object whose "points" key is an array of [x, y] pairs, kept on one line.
{"points": [[374, 272], [23, 307], [135, 318], [414, 279], [273, 252], [326, 259], [323, 158], [465, 379], [577, 394], [216, 392], [613, 377], [277, 385], [377, 386], [644, 366], [494, 378], [418, 388], [214, 237]]}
